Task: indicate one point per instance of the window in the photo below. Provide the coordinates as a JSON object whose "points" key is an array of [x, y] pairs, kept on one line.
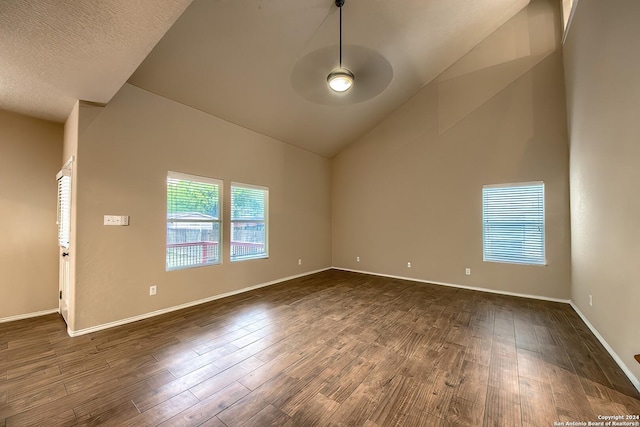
{"points": [[513, 223], [249, 222], [64, 208], [193, 221]]}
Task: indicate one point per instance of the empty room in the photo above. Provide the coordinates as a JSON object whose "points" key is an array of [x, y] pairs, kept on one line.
{"points": [[319, 213]]}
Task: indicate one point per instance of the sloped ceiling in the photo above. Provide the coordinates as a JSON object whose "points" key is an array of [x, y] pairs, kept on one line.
{"points": [[241, 60], [235, 59], [54, 52]]}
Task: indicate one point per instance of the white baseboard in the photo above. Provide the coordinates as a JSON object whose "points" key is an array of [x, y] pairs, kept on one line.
{"points": [[28, 315], [452, 285], [185, 305], [606, 345]]}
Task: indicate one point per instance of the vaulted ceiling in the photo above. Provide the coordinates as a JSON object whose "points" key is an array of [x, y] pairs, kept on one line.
{"points": [[261, 64]]}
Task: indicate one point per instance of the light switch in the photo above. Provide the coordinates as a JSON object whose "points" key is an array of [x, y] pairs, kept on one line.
{"points": [[116, 220], [111, 220]]}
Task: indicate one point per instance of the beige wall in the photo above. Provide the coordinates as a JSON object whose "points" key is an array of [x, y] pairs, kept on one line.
{"points": [[30, 153], [603, 93], [124, 154], [411, 189]]}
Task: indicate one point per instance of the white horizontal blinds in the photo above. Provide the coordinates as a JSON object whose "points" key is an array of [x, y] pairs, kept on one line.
{"points": [[64, 209], [513, 223], [193, 221], [249, 222]]}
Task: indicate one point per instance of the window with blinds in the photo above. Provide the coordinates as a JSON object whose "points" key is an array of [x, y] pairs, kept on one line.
{"points": [[513, 223], [64, 208], [193, 221], [249, 222]]}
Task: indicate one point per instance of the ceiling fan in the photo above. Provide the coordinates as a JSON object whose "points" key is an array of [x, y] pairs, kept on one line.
{"points": [[361, 73]]}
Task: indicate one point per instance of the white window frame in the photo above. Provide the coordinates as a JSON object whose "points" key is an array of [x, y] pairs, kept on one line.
{"points": [[204, 180], [492, 234], [265, 221]]}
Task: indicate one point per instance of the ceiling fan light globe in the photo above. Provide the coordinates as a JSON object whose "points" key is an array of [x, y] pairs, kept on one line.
{"points": [[340, 80]]}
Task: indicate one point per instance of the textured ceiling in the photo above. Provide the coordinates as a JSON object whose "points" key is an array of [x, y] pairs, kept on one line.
{"points": [[53, 52], [257, 63]]}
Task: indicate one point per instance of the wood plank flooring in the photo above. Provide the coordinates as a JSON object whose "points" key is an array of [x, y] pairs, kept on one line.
{"points": [[333, 348]]}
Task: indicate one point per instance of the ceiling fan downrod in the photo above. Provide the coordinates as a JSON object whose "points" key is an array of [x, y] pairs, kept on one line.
{"points": [[340, 3]]}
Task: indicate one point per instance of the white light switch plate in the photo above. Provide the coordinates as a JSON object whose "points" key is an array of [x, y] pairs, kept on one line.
{"points": [[111, 220], [116, 220]]}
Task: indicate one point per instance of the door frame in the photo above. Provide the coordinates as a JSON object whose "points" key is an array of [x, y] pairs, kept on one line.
{"points": [[64, 251]]}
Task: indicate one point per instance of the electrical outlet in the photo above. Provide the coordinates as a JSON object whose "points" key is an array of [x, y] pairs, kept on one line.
{"points": [[590, 300], [153, 290], [467, 271], [408, 265], [300, 261], [357, 259]]}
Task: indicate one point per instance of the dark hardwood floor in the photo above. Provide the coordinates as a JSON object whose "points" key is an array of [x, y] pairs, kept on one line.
{"points": [[334, 348]]}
